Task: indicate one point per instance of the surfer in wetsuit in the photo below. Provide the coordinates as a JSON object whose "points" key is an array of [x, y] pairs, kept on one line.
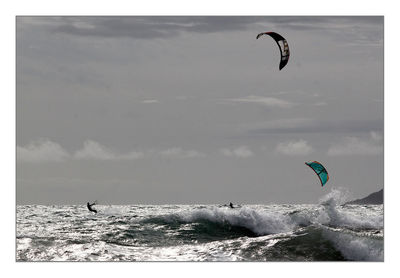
{"points": [[89, 206], [231, 205]]}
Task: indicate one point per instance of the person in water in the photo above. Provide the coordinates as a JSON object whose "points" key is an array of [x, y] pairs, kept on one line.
{"points": [[89, 206], [231, 205]]}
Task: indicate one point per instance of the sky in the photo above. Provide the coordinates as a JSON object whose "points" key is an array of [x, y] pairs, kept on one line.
{"points": [[182, 110]]}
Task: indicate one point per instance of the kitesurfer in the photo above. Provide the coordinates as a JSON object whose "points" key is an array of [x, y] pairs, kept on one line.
{"points": [[89, 206]]}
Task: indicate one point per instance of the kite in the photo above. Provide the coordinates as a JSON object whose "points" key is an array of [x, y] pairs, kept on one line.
{"points": [[283, 47], [320, 170]]}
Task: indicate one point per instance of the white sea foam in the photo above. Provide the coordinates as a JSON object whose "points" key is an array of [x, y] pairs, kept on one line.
{"points": [[337, 196], [333, 214], [260, 222], [357, 248]]}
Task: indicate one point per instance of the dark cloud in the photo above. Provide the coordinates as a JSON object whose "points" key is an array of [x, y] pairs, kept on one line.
{"points": [[151, 27], [118, 27], [147, 27], [324, 127]]}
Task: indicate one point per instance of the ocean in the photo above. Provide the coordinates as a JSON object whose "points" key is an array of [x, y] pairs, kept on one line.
{"points": [[327, 231]]}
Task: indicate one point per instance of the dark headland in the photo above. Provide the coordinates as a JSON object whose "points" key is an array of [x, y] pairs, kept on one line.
{"points": [[375, 198]]}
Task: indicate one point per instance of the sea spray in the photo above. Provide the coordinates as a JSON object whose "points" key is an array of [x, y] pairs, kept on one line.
{"points": [[333, 213], [337, 196]]}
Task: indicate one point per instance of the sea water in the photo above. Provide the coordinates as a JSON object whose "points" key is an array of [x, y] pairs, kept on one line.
{"points": [[327, 231]]}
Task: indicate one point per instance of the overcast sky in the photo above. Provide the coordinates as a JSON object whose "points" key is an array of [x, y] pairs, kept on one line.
{"points": [[160, 110]]}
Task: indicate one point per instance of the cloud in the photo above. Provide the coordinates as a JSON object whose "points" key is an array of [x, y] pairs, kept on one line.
{"points": [[357, 146], [45, 150], [357, 29], [180, 153], [41, 151], [241, 152], [150, 101], [148, 27], [281, 124], [300, 147], [265, 101], [309, 125], [132, 155], [376, 136], [93, 150]]}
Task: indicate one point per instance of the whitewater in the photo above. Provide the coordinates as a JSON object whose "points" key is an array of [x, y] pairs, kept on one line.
{"points": [[327, 231]]}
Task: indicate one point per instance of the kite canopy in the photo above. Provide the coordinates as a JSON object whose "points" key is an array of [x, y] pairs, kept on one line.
{"points": [[320, 170], [283, 47]]}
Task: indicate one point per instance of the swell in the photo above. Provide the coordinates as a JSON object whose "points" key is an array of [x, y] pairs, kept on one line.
{"points": [[307, 244], [245, 221], [320, 243]]}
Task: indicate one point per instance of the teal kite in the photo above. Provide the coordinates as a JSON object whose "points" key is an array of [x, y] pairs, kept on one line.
{"points": [[320, 170]]}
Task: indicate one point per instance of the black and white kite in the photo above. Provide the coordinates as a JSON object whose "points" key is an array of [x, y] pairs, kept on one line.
{"points": [[283, 47]]}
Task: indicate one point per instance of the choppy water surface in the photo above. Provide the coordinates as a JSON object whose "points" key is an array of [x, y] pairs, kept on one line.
{"points": [[321, 232]]}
